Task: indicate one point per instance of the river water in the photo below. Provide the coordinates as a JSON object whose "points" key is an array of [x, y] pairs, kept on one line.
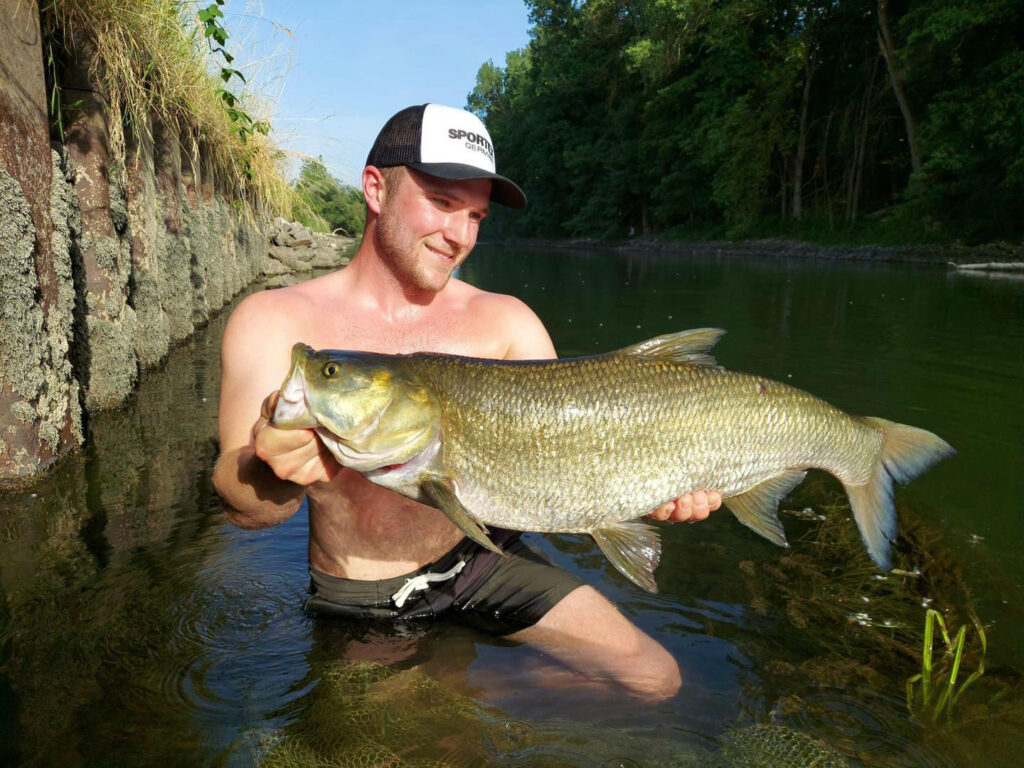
{"points": [[138, 628]]}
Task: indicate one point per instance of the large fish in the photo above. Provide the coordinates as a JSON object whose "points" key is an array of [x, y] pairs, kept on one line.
{"points": [[589, 444]]}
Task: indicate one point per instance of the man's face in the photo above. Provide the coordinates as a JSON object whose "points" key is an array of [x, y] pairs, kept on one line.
{"points": [[427, 226]]}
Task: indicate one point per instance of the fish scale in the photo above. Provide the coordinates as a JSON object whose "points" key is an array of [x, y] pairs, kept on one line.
{"points": [[625, 420], [590, 444]]}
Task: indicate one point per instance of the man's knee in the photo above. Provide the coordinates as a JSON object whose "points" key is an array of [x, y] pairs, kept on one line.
{"points": [[588, 633], [646, 669], [658, 676]]}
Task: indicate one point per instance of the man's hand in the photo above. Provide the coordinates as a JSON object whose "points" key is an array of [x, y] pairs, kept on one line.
{"points": [[293, 454], [691, 507]]}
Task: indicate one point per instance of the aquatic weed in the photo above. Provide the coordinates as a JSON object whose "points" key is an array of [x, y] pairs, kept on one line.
{"points": [[932, 693]]}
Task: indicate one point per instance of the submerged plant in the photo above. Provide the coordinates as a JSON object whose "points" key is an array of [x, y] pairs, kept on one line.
{"points": [[932, 693]]}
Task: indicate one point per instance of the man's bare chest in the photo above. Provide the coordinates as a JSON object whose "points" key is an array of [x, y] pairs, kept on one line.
{"points": [[454, 335]]}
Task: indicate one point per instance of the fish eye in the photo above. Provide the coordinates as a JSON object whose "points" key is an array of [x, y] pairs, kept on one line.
{"points": [[330, 370]]}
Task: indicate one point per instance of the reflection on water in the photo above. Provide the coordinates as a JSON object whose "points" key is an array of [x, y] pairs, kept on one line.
{"points": [[138, 628]]}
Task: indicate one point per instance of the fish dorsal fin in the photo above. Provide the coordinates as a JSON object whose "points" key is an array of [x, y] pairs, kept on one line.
{"points": [[441, 492], [758, 508], [634, 548], [683, 347]]}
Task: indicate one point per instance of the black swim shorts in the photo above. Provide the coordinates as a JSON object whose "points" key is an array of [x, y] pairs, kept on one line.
{"points": [[469, 583]]}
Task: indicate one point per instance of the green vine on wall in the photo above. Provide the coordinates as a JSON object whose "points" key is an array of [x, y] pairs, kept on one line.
{"points": [[242, 122]]}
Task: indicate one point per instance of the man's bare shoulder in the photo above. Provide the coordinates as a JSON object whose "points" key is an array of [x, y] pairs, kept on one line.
{"points": [[273, 300], [287, 298], [278, 309], [522, 333], [478, 301]]}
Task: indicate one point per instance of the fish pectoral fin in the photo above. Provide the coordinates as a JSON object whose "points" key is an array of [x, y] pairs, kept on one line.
{"points": [[441, 492], [758, 508], [683, 347], [634, 548]]}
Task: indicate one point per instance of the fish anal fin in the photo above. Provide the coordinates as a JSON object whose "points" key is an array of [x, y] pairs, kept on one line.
{"points": [[634, 548], [441, 492], [690, 346], [758, 508]]}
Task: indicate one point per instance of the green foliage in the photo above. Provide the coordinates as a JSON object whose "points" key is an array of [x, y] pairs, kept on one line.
{"points": [[932, 692], [972, 179], [327, 205], [242, 123], [657, 116]]}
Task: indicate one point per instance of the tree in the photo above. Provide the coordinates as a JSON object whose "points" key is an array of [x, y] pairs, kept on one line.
{"points": [[328, 204], [715, 117]]}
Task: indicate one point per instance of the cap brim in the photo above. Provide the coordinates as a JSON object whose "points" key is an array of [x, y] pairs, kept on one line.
{"points": [[503, 191]]}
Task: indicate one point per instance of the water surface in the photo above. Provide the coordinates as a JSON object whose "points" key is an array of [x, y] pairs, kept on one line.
{"points": [[139, 628]]}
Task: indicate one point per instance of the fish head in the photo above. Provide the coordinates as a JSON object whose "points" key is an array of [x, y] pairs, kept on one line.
{"points": [[367, 409]]}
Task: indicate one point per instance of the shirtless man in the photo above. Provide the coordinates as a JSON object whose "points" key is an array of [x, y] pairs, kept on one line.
{"points": [[428, 183]]}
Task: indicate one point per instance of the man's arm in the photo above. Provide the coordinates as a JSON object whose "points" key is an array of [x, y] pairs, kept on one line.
{"points": [[262, 472], [529, 340]]}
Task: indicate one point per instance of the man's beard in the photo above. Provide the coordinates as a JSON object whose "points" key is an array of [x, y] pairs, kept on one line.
{"points": [[399, 251]]}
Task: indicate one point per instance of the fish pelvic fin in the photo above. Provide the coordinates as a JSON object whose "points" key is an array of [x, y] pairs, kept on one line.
{"points": [[634, 548], [758, 508], [683, 347], [906, 453], [441, 493]]}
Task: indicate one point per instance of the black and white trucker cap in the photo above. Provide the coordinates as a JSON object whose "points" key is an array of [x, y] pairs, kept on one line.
{"points": [[446, 142]]}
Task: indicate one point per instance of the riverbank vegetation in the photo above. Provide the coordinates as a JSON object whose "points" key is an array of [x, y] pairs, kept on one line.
{"points": [[167, 61], [327, 205], [887, 121]]}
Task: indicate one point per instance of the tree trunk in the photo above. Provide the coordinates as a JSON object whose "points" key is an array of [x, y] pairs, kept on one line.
{"points": [[801, 147], [783, 178], [860, 148], [898, 79], [824, 171]]}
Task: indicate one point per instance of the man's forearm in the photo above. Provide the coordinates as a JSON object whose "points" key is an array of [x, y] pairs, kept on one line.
{"points": [[256, 497]]}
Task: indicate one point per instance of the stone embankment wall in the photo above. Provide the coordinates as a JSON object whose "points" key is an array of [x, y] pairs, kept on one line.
{"points": [[114, 246]]}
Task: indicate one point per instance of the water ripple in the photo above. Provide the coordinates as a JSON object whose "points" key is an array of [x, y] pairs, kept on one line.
{"points": [[235, 640], [869, 724]]}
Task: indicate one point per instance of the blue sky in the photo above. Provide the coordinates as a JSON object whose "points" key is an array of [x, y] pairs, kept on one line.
{"points": [[331, 73]]}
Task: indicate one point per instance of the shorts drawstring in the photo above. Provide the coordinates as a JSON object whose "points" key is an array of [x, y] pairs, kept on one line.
{"points": [[423, 581]]}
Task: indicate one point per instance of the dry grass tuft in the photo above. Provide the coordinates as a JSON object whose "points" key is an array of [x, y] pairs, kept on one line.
{"points": [[151, 59]]}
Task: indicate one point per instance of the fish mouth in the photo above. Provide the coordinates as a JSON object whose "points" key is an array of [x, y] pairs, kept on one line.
{"points": [[292, 410]]}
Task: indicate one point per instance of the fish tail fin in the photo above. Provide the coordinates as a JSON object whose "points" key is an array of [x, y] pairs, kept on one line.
{"points": [[906, 453]]}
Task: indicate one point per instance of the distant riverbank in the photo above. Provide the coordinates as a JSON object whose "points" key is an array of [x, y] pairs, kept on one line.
{"points": [[944, 254]]}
